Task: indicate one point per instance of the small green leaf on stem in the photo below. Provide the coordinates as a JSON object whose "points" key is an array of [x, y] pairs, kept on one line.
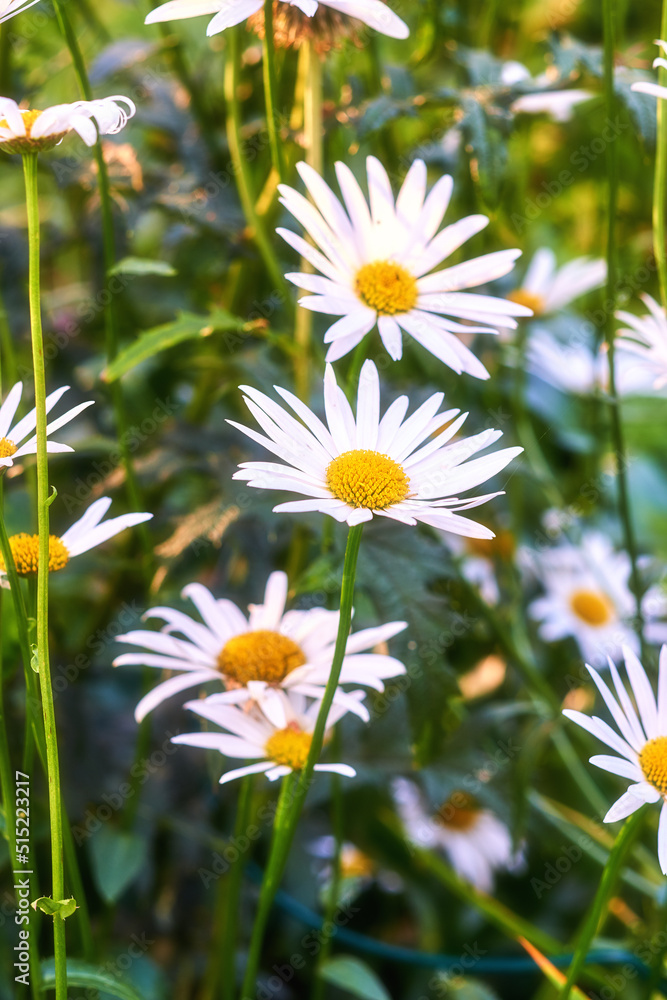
{"points": [[62, 908]]}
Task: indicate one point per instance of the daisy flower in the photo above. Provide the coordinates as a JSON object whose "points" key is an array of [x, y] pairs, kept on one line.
{"points": [[588, 597], [547, 288], [36, 131], [646, 86], [642, 743], [227, 13], [475, 841], [86, 533], [13, 443], [8, 8], [408, 470], [376, 262], [646, 338], [278, 749], [256, 656], [574, 367]]}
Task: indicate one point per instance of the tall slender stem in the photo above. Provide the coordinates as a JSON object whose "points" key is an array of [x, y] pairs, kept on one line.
{"points": [[271, 91], [338, 825], [295, 787], [239, 162], [660, 177], [53, 764], [609, 11]]}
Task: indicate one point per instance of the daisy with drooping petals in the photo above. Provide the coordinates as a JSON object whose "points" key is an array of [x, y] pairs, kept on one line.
{"points": [[377, 260], [647, 86], [8, 8], [86, 533], [256, 656], [12, 438], [646, 338], [642, 743], [476, 842], [37, 131], [355, 469], [548, 288], [227, 13], [278, 749]]}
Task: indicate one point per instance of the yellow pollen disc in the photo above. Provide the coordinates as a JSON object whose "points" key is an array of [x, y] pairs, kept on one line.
{"points": [[25, 549], [7, 448], [289, 747], [653, 762], [459, 812], [386, 287], [591, 607], [363, 478], [260, 656], [528, 299]]}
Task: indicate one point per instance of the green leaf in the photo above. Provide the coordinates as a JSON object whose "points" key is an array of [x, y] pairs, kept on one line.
{"points": [[188, 326], [354, 977], [140, 266], [55, 907], [82, 975], [117, 858]]}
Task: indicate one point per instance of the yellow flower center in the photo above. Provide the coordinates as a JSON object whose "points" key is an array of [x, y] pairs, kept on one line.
{"points": [[26, 143], [386, 287], [289, 747], [459, 812], [363, 478], [653, 762], [591, 607], [528, 299], [7, 448], [25, 550], [260, 656]]}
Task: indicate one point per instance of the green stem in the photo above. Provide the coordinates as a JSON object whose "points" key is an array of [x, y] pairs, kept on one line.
{"points": [[609, 11], [660, 181], [53, 764], [271, 91], [239, 161], [605, 889], [295, 787], [338, 825]]}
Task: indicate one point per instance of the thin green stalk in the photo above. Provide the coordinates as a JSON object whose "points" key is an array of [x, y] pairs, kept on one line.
{"points": [[239, 161], [220, 973], [338, 825], [602, 896], [295, 787], [271, 91], [609, 12], [53, 764], [112, 324], [660, 177]]}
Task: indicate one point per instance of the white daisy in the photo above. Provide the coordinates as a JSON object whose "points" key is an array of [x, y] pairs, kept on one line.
{"points": [[642, 743], [86, 533], [278, 749], [8, 8], [548, 288], [646, 338], [13, 442], [588, 597], [227, 13], [558, 104], [574, 367], [390, 467], [255, 656], [476, 842], [646, 86], [375, 261], [34, 131]]}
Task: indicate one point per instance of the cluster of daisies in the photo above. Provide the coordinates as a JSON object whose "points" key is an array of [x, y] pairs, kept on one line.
{"points": [[373, 261]]}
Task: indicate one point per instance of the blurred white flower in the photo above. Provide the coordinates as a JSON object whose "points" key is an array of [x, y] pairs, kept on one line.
{"points": [[12, 436], [256, 656], [355, 469], [559, 104], [646, 337], [358, 870], [641, 740], [227, 13], [574, 368], [476, 842], [8, 8], [479, 560], [278, 749], [548, 288], [35, 131], [375, 258]]}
